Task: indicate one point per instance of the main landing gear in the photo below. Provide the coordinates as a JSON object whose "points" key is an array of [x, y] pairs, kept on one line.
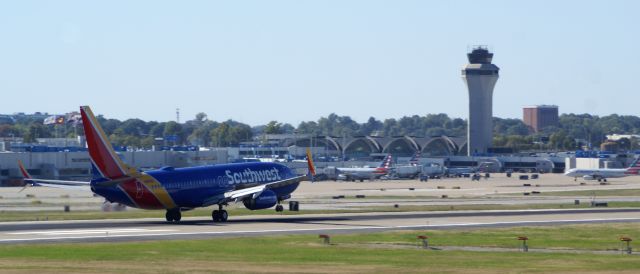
{"points": [[279, 207], [173, 215], [219, 215]]}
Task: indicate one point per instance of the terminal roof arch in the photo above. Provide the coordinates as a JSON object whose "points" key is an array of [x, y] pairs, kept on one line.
{"points": [[439, 146], [361, 147], [401, 146]]}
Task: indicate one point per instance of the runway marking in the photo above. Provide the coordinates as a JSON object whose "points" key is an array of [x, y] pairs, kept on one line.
{"points": [[93, 231], [355, 228]]}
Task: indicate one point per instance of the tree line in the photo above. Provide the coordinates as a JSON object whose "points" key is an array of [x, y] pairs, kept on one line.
{"points": [[572, 132]]}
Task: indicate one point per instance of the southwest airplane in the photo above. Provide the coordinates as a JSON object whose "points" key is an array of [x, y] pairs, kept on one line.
{"points": [[257, 185], [601, 174]]}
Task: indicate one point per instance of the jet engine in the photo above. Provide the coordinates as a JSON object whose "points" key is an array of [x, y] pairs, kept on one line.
{"points": [[589, 177], [266, 199]]}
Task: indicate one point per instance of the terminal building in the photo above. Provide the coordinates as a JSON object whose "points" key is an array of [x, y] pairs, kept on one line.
{"points": [[73, 163]]}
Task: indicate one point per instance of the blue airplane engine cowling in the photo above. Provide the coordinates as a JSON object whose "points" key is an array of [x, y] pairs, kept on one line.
{"points": [[266, 199]]}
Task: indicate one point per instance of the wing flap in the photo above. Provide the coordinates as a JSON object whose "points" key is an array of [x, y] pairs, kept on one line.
{"points": [[239, 194]]}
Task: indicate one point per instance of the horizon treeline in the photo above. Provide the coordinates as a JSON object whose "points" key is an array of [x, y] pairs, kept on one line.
{"points": [[572, 132]]}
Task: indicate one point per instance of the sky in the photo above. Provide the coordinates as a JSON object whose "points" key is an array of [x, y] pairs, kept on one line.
{"points": [[293, 61]]}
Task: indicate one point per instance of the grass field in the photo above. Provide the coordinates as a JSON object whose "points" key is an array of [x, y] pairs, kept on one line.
{"points": [[396, 252]]}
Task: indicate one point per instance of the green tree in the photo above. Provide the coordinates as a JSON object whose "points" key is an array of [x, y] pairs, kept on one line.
{"points": [[220, 135], [172, 128], [273, 127], [35, 130]]}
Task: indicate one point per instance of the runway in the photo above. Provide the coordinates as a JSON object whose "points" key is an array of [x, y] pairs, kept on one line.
{"points": [[198, 228]]}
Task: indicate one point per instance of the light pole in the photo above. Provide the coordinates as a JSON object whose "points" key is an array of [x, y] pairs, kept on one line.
{"points": [[295, 143]]}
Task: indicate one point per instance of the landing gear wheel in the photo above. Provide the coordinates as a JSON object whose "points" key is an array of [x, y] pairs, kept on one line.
{"points": [[215, 215], [219, 215], [604, 180], [279, 208], [173, 215], [177, 216], [223, 215]]}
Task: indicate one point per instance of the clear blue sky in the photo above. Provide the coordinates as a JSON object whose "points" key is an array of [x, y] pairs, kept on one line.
{"points": [[292, 61]]}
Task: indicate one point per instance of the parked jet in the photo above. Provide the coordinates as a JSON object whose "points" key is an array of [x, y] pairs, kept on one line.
{"points": [[601, 174], [362, 173], [257, 185]]}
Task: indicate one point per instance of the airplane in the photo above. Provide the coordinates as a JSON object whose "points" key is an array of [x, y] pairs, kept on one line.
{"points": [[601, 174], [362, 173], [257, 185]]}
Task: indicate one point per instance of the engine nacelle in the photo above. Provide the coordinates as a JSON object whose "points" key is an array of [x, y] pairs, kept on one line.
{"points": [[266, 199], [589, 177]]}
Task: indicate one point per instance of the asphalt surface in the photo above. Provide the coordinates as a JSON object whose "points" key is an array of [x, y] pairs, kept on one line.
{"points": [[199, 228]]}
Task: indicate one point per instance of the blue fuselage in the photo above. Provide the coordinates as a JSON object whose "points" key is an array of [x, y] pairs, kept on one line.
{"points": [[195, 186]]}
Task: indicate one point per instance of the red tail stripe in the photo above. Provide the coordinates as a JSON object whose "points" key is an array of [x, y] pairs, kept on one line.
{"points": [[100, 154], [24, 172]]}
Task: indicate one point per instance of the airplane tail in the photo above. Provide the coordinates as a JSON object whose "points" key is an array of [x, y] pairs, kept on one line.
{"points": [[311, 166], [634, 168], [415, 159], [25, 175], [23, 170], [386, 163], [103, 157]]}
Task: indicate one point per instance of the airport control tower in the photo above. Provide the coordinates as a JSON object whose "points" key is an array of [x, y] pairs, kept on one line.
{"points": [[480, 76]]}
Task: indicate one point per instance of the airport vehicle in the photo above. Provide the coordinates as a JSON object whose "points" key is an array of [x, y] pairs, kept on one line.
{"points": [[362, 173], [257, 185], [459, 171], [433, 171], [410, 172], [407, 171], [601, 174]]}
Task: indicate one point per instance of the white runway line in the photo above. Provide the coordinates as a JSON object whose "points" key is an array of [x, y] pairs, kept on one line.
{"points": [[94, 231]]}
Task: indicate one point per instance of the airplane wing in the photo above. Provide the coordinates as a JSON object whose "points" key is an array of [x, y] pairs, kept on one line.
{"points": [[50, 183], [69, 184], [72, 187], [257, 190], [56, 182], [239, 194]]}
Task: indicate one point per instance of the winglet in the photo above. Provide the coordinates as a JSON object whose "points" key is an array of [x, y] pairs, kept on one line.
{"points": [[312, 168]]}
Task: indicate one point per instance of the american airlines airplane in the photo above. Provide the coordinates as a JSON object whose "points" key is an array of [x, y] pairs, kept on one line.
{"points": [[601, 174], [257, 185], [362, 173]]}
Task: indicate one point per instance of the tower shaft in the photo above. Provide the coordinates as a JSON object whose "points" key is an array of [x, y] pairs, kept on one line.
{"points": [[480, 76]]}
